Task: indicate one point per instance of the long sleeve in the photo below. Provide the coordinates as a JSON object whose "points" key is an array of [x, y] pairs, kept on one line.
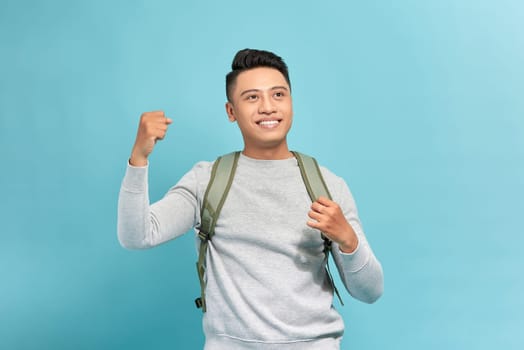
{"points": [[360, 271], [141, 225]]}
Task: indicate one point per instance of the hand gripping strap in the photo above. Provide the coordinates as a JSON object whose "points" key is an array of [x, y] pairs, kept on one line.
{"points": [[220, 181], [316, 187]]}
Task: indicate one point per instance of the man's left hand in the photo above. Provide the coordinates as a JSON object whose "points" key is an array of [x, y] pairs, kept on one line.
{"points": [[327, 217]]}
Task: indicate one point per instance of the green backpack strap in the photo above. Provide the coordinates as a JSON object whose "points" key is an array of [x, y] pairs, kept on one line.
{"points": [[316, 187], [222, 175]]}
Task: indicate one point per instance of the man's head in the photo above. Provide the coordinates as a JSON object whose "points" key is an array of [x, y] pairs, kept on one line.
{"points": [[259, 101], [248, 59]]}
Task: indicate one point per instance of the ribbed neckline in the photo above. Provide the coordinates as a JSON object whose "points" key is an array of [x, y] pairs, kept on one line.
{"points": [[267, 163]]}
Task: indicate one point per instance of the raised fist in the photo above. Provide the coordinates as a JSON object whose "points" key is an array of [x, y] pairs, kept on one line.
{"points": [[152, 127]]}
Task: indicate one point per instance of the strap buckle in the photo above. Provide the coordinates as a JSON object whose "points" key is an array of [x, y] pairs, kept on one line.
{"points": [[327, 244], [199, 303], [204, 237]]}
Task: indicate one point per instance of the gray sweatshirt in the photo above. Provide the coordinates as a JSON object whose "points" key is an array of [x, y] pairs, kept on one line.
{"points": [[267, 287]]}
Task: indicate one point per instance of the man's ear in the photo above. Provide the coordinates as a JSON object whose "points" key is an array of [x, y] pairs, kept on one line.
{"points": [[230, 110]]}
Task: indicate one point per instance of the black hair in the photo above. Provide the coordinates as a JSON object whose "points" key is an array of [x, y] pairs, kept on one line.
{"points": [[250, 58]]}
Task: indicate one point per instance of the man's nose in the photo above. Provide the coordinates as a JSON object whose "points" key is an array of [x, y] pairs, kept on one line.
{"points": [[266, 105]]}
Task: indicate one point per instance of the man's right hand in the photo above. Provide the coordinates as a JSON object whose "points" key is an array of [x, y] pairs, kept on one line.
{"points": [[152, 127]]}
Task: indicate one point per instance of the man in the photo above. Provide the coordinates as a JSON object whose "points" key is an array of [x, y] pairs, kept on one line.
{"points": [[267, 287]]}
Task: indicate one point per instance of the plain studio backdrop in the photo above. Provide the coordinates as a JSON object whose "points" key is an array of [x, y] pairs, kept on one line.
{"points": [[417, 104]]}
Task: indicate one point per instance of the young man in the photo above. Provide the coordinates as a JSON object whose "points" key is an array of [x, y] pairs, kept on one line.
{"points": [[267, 287]]}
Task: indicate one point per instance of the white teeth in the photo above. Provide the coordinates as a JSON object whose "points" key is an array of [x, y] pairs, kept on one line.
{"points": [[268, 122]]}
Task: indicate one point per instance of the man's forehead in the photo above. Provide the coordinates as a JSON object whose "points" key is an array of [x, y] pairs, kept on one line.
{"points": [[260, 78]]}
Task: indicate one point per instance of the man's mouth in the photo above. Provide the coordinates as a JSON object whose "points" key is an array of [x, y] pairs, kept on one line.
{"points": [[268, 124]]}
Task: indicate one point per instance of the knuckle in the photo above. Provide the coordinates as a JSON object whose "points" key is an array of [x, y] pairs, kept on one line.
{"points": [[151, 115]]}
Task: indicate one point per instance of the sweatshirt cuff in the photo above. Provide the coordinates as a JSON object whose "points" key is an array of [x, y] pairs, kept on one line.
{"points": [[356, 260], [135, 179]]}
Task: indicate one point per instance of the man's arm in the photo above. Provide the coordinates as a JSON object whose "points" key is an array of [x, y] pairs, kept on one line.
{"points": [[139, 224], [360, 271], [358, 267]]}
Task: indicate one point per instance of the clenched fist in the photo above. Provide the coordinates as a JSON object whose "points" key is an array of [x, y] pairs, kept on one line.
{"points": [[152, 127]]}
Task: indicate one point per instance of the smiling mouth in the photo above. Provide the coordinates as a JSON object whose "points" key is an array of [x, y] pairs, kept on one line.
{"points": [[268, 124]]}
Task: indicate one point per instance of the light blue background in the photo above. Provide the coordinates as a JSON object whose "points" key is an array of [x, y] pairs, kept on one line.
{"points": [[417, 104]]}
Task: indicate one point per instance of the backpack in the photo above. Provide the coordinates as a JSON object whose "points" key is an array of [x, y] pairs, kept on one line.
{"points": [[222, 174]]}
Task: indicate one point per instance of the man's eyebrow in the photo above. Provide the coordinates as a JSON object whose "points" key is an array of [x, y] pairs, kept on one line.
{"points": [[248, 91], [257, 90]]}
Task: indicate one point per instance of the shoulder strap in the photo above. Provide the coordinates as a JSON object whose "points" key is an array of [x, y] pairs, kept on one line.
{"points": [[316, 187], [222, 175], [310, 171]]}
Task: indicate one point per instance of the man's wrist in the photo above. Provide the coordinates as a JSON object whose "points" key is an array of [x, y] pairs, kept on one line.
{"points": [[350, 245], [348, 249], [137, 161]]}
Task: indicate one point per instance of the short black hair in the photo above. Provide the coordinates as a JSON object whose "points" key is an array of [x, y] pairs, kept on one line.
{"points": [[247, 59]]}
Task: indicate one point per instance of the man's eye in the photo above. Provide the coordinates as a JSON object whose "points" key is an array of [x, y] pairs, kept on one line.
{"points": [[279, 94], [252, 97]]}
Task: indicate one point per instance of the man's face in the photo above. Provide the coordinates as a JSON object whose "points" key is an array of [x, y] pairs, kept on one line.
{"points": [[261, 105]]}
